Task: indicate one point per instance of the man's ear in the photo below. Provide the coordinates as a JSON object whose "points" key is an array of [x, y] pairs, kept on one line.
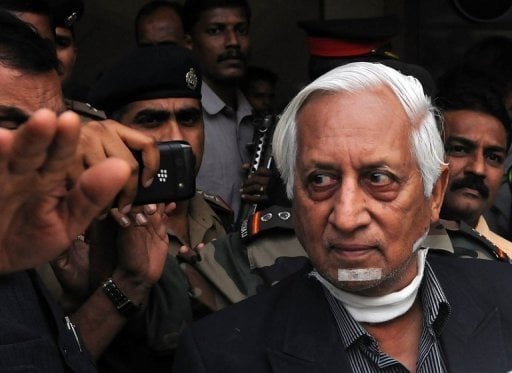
{"points": [[188, 41], [438, 192]]}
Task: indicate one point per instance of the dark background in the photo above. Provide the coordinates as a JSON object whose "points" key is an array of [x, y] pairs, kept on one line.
{"points": [[435, 32]]}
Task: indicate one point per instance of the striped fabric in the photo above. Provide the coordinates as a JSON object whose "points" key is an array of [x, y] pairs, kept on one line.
{"points": [[363, 350]]}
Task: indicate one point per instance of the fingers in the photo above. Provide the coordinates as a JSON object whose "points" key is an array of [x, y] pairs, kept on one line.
{"points": [[45, 142], [95, 189], [137, 216], [62, 149], [136, 140], [191, 255], [108, 138]]}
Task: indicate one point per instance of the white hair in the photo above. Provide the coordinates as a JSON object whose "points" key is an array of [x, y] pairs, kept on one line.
{"points": [[426, 143]]}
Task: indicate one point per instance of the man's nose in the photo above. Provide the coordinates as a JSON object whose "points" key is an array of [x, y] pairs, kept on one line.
{"points": [[350, 210], [171, 131], [476, 165], [232, 38]]}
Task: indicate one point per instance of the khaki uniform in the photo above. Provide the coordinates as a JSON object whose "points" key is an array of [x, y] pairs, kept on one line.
{"points": [[496, 239], [266, 250], [461, 240], [181, 296], [184, 293]]}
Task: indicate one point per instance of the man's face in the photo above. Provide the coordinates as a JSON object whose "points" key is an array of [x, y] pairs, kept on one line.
{"points": [[358, 193], [21, 94], [168, 119], [476, 148], [163, 25], [220, 40], [261, 96], [66, 51]]}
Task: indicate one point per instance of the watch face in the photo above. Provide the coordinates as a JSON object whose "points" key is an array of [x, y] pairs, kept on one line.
{"points": [[123, 305]]}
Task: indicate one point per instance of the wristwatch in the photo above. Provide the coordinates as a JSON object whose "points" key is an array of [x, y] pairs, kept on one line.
{"points": [[123, 305]]}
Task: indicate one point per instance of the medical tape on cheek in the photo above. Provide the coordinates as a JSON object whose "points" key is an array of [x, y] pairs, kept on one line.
{"points": [[362, 274]]}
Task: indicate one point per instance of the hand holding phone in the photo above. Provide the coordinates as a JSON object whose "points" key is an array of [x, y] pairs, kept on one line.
{"points": [[175, 179]]}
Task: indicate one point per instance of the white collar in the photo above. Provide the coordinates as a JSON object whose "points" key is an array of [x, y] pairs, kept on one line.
{"points": [[378, 309]]}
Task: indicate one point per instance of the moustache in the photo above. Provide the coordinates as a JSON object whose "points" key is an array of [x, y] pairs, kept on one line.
{"points": [[231, 54], [473, 182]]}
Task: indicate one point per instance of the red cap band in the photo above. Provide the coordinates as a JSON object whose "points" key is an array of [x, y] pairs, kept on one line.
{"points": [[330, 47]]}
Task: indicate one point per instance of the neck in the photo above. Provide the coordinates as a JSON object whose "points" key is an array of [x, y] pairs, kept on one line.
{"points": [[226, 90], [469, 219], [379, 309]]}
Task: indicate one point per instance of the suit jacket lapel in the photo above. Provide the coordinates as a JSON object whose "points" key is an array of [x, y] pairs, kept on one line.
{"points": [[304, 336], [472, 338]]}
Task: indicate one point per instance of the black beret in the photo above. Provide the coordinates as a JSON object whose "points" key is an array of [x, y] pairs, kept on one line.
{"points": [[150, 72]]}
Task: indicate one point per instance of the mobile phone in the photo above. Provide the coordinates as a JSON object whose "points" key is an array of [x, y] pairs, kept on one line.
{"points": [[175, 179]]}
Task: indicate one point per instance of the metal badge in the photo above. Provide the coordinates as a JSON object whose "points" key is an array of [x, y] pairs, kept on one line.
{"points": [[266, 217], [70, 19], [191, 79], [284, 215]]}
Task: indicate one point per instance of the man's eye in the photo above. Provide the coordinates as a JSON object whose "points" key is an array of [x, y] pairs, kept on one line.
{"points": [[321, 181], [62, 42], [321, 186], [12, 121], [495, 159], [456, 150], [188, 117], [148, 121], [379, 179], [242, 30], [9, 124], [213, 30]]}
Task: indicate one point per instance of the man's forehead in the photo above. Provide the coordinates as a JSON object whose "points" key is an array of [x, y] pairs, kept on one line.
{"points": [[29, 92], [167, 103], [222, 13]]}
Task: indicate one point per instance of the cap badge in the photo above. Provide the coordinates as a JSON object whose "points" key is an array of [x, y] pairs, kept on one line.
{"points": [[70, 19], [191, 79]]}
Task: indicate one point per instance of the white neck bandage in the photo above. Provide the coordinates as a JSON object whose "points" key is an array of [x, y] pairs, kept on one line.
{"points": [[378, 309]]}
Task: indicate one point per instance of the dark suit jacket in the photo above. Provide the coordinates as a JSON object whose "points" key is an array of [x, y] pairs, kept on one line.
{"points": [[33, 334], [290, 328]]}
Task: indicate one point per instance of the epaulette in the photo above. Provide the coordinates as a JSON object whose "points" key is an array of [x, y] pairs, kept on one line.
{"points": [[86, 111], [464, 241], [273, 217], [220, 207]]}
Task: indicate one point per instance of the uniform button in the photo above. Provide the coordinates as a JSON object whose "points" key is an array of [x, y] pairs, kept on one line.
{"points": [[65, 350]]}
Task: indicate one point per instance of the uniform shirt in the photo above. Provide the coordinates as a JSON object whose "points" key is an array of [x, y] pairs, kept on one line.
{"points": [[225, 146], [180, 296], [204, 226], [496, 239], [363, 350]]}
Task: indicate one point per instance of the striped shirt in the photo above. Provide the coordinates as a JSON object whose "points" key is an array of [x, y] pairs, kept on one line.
{"points": [[363, 350]]}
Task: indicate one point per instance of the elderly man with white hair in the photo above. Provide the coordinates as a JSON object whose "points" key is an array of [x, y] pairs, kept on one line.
{"points": [[363, 161]]}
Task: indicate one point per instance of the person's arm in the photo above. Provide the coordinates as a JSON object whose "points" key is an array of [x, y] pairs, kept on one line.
{"points": [[41, 213], [137, 265]]}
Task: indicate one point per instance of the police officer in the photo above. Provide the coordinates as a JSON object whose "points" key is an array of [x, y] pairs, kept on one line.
{"points": [[66, 14], [156, 90]]}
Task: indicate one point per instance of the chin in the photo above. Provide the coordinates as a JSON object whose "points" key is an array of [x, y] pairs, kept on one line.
{"points": [[368, 288]]}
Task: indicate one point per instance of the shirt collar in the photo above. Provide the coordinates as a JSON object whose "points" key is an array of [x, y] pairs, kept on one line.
{"points": [[436, 310], [213, 104]]}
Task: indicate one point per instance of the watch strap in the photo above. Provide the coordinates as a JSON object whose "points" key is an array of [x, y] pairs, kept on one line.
{"points": [[122, 303]]}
